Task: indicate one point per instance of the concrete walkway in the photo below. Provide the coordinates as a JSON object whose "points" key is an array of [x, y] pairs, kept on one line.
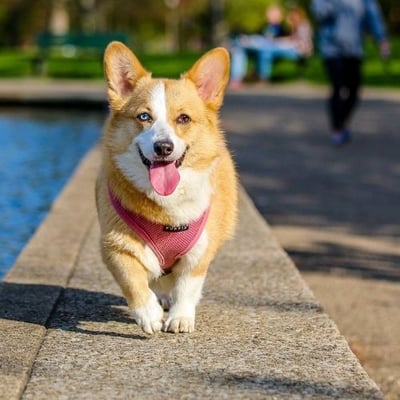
{"points": [[63, 330]]}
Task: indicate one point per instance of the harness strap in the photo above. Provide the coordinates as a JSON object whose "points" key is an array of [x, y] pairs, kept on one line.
{"points": [[169, 243]]}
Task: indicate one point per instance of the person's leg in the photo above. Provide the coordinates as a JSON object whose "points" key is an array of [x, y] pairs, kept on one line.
{"points": [[334, 69], [264, 61], [238, 64], [352, 82]]}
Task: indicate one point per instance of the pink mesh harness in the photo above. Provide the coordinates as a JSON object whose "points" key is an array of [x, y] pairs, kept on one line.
{"points": [[169, 243]]}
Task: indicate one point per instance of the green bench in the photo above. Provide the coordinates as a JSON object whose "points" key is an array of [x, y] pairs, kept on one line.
{"points": [[71, 45]]}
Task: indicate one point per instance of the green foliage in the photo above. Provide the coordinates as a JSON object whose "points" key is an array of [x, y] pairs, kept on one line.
{"points": [[14, 63], [22, 20], [18, 64], [74, 68], [246, 15], [168, 65]]}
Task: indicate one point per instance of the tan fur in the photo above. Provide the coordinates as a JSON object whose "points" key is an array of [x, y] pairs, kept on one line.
{"points": [[201, 92]]}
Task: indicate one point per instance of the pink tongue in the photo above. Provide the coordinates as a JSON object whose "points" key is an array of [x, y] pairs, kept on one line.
{"points": [[164, 178]]}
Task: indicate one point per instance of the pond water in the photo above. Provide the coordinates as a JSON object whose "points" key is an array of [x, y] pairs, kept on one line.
{"points": [[39, 150]]}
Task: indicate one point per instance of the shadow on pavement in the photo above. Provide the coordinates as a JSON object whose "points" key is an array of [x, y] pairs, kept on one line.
{"points": [[33, 304], [297, 179]]}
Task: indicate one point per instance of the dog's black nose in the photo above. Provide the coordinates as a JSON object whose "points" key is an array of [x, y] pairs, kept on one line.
{"points": [[163, 147]]}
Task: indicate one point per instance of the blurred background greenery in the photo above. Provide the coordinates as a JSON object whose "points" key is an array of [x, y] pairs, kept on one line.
{"points": [[168, 35]]}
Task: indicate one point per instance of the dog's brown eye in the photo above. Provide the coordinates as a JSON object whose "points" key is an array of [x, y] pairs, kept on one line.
{"points": [[144, 117], [183, 119]]}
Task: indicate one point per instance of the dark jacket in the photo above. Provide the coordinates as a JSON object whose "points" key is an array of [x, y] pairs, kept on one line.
{"points": [[343, 23]]}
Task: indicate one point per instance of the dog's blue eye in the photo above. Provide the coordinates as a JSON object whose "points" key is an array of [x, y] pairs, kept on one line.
{"points": [[144, 117], [183, 119]]}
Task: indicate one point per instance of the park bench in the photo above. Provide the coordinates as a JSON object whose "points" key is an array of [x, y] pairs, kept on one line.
{"points": [[70, 45]]}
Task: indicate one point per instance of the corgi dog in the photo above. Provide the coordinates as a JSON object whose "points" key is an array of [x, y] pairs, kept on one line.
{"points": [[166, 193]]}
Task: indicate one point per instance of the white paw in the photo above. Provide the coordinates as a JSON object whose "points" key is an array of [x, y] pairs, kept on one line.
{"points": [[180, 320], [150, 316], [179, 325]]}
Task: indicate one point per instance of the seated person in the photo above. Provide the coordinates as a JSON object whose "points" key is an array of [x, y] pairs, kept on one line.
{"points": [[274, 22], [297, 45]]}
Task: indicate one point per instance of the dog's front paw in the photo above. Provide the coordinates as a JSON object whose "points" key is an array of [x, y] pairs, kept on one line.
{"points": [[180, 320], [179, 325], [150, 316]]}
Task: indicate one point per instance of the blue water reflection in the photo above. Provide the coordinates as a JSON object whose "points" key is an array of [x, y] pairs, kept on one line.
{"points": [[38, 152]]}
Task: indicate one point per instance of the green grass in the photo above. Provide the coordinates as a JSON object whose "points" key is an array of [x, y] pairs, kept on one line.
{"points": [[20, 64], [168, 65], [13, 63]]}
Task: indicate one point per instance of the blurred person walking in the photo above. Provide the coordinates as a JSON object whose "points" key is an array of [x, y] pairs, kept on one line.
{"points": [[342, 25]]}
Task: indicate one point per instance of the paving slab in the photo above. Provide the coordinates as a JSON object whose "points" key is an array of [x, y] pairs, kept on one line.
{"points": [[65, 331]]}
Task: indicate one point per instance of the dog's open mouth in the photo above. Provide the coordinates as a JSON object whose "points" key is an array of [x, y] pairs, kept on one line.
{"points": [[163, 175]]}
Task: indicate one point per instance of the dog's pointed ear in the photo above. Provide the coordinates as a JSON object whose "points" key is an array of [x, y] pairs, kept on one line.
{"points": [[122, 71], [210, 74]]}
